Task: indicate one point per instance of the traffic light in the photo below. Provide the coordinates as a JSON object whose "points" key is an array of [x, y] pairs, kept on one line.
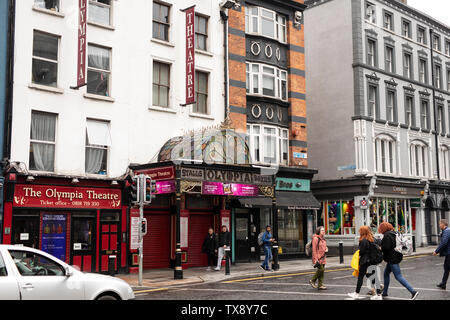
{"points": [[150, 189], [133, 189], [144, 226]]}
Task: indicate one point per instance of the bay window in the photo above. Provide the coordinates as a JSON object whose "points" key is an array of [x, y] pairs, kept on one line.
{"points": [[268, 144], [266, 81], [264, 22]]}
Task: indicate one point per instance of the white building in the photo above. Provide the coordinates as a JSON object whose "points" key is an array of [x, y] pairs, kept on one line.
{"points": [[135, 49]]}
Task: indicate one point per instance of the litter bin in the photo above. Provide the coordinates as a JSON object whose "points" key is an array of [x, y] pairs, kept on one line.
{"points": [[112, 265]]}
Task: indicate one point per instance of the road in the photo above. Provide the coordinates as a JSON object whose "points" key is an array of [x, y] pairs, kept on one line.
{"points": [[422, 272]]}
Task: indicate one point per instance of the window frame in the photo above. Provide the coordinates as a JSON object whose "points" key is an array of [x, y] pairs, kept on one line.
{"points": [[57, 6], [194, 108], [392, 61], [372, 18], [373, 111], [33, 57], [424, 42], [167, 24], [278, 81], [437, 76], [94, 146], [419, 159], [390, 15], [279, 136], [198, 33], [408, 70], [161, 85], [438, 38], [102, 5], [410, 121], [394, 105], [425, 71], [278, 25], [427, 115], [93, 69], [444, 154], [385, 154], [53, 143], [408, 23], [372, 43]]}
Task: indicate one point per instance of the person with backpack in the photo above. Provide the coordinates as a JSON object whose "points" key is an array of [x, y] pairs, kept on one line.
{"points": [[223, 243], [371, 284], [319, 252], [444, 251], [369, 254], [209, 248], [393, 257], [267, 242]]}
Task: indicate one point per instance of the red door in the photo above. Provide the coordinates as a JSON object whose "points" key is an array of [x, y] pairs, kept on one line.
{"points": [[157, 242], [198, 228], [109, 244]]}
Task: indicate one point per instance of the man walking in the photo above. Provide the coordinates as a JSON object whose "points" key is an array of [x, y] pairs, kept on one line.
{"points": [[223, 243], [444, 251], [267, 246]]}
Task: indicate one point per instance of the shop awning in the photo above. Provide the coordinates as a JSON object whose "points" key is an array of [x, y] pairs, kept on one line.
{"points": [[297, 200], [251, 202]]}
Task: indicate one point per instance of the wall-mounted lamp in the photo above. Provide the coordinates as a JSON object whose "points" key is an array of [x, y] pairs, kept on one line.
{"points": [[75, 181], [30, 179], [114, 183]]}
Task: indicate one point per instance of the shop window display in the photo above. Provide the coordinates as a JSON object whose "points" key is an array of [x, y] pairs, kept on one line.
{"points": [[290, 230], [394, 211], [339, 217]]}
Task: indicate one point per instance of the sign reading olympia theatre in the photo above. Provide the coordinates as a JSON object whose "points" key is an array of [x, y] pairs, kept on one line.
{"points": [[190, 55], [225, 176], [37, 196]]}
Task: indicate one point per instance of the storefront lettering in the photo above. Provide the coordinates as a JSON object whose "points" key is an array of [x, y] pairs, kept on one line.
{"points": [[232, 176], [53, 193], [399, 190]]}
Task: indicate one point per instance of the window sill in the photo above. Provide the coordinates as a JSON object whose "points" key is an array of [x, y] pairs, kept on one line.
{"points": [[199, 115], [98, 97], [165, 43], [162, 109], [104, 26], [206, 53], [45, 88], [50, 12]]}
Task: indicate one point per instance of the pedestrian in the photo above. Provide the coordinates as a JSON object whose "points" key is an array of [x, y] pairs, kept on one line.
{"points": [[267, 240], [224, 242], [319, 259], [392, 259], [444, 251], [371, 284], [209, 248]]}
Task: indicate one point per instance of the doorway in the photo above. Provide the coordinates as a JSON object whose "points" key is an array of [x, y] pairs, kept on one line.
{"points": [[83, 241], [247, 226], [26, 230], [109, 240]]}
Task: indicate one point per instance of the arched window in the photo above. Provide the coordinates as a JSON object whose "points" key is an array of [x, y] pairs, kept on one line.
{"points": [[385, 154], [419, 159], [444, 162]]}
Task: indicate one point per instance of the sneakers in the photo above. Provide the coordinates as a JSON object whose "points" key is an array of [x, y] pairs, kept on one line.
{"points": [[376, 297], [208, 269], [269, 270], [322, 287], [262, 267], [414, 295], [353, 295], [217, 269], [313, 284]]}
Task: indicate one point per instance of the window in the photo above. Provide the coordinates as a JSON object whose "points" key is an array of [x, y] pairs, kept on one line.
{"points": [[161, 21], [406, 28], [161, 84], [371, 52], [407, 65], [394, 211], [437, 76], [419, 159], [372, 101], [423, 77], [268, 145], [436, 42], [388, 21], [266, 81], [42, 141], [409, 111], [99, 70], [98, 140], [52, 5], [440, 119], [385, 155], [45, 59], [424, 115], [448, 79], [100, 11], [370, 12], [444, 155], [339, 217], [421, 35], [389, 59], [201, 32], [390, 106], [201, 93], [266, 23], [447, 47], [31, 264]]}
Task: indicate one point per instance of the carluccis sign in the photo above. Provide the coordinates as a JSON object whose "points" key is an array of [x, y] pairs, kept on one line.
{"points": [[228, 176]]}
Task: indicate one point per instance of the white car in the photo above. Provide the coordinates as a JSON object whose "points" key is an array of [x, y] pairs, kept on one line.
{"points": [[31, 274]]}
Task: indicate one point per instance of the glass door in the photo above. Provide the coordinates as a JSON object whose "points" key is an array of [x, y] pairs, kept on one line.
{"points": [[26, 231], [83, 243]]}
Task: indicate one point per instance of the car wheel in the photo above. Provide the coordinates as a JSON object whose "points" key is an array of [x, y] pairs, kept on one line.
{"points": [[107, 297]]}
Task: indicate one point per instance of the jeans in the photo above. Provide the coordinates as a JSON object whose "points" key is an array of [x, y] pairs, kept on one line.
{"points": [[446, 270], [268, 254], [395, 268], [220, 254], [319, 275]]}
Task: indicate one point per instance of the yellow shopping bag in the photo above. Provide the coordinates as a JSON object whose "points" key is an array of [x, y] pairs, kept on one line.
{"points": [[355, 263]]}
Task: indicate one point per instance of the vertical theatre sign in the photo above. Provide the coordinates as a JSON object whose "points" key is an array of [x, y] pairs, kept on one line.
{"points": [[190, 55], [82, 23]]}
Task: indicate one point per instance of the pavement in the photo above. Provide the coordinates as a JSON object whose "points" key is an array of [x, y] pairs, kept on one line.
{"points": [[164, 278]]}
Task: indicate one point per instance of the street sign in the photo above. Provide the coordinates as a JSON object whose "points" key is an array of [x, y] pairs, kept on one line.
{"points": [[363, 204]]}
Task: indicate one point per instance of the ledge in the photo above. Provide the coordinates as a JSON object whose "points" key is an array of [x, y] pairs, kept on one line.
{"points": [[45, 88], [206, 53], [162, 109], [98, 97], [199, 115], [50, 12], [164, 43], [104, 26]]}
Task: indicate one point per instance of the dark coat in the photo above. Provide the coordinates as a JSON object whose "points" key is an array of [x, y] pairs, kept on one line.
{"points": [[209, 244], [444, 247], [224, 239], [364, 251], [387, 245]]}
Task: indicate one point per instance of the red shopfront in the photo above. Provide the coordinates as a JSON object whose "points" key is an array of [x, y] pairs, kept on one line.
{"points": [[82, 225]]}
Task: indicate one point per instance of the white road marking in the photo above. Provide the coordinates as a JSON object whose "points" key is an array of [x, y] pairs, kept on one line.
{"points": [[409, 268], [439, 264], [350, 276]]}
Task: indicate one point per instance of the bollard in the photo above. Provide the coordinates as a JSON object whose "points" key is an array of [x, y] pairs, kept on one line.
{"points": [[111, 265], [227, 261], [275, 264], [414, 243], [341, 252]]}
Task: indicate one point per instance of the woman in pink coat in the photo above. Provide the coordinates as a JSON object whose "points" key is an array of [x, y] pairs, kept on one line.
{"points": [[319, 251]]}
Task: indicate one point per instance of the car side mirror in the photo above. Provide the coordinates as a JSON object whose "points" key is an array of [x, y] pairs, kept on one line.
{"points": [[68, 272]]}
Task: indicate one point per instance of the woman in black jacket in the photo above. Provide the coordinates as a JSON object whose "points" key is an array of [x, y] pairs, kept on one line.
{"points": [[392, 258], [209, 248], [366, 240]]}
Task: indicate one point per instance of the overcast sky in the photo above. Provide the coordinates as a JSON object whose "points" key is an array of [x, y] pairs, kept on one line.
{"points": [[438, 9]]}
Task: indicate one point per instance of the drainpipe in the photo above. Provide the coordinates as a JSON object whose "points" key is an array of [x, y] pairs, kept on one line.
{"points": [[224, 17], [434, 106]]}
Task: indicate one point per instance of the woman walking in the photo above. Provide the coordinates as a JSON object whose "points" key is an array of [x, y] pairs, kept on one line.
{"points": [[319, 251], [366, 244], [392, 258], [209, 248]]}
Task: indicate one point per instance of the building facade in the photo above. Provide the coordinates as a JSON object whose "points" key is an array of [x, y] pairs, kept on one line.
{"points": [[379, 102]]}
